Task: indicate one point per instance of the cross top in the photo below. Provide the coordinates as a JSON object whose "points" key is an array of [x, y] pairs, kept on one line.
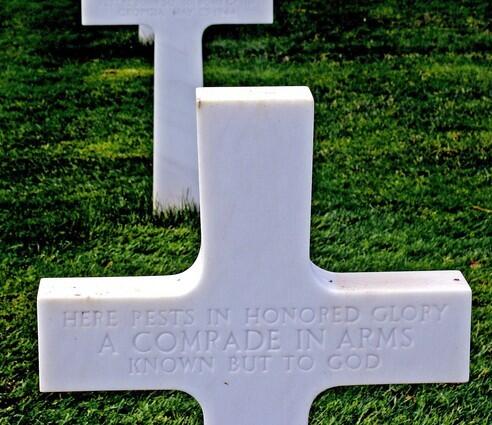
{"points": [[178, 26], [256, 181], [253, 329]]}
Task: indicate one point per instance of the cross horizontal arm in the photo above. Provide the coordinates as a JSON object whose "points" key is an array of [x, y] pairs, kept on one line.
{"points": [[406, 327], [156, 12], [364, 328]]}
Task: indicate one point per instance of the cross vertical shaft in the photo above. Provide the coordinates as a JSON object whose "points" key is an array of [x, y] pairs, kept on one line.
{"points": [[255, 160], [258, 403], [175, 150]]}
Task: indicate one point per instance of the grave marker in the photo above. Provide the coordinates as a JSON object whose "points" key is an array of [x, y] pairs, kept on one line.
{"points": [[178, 26], [254, 330]]}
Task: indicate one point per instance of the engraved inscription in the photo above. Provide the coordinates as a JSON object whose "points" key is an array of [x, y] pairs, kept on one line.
{"points": [[258, 339], [179, 8]]}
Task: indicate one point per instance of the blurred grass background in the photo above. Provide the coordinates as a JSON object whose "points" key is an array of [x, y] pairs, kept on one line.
{"points": [[403, 176]]}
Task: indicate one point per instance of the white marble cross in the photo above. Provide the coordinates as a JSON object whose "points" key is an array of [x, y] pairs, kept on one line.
{"points": [[254, 330], [178, 26]]}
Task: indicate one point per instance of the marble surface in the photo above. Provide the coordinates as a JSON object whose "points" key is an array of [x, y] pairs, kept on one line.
{"points": [[177, 27], [254, 330]]}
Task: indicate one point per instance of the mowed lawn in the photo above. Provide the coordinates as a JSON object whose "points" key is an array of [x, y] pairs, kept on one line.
{"points": [[402, 176]]}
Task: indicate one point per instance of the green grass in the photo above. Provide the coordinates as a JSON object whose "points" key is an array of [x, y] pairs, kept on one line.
{"points": [[402, 181]]}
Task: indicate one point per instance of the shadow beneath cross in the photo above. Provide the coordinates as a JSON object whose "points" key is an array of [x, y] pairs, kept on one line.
{"points": [[55, 30]]}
